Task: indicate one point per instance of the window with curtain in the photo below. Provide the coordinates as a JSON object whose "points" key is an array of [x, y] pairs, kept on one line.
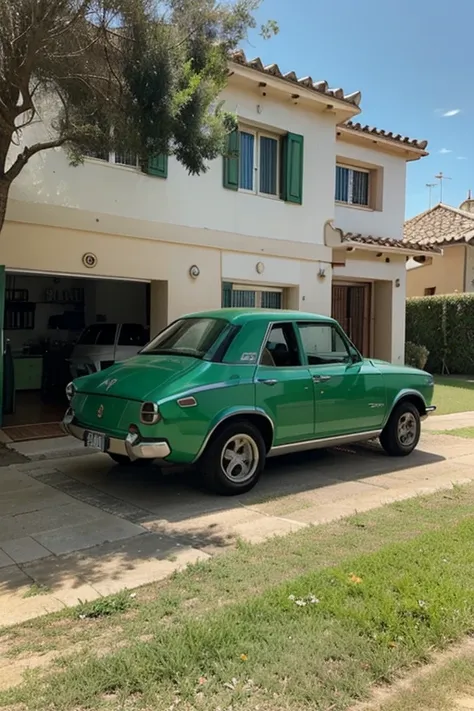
{"points": [[258, 162], [352, 186]]}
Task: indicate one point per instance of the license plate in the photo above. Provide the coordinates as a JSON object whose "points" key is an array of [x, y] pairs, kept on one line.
{"points": [[96, 440]]}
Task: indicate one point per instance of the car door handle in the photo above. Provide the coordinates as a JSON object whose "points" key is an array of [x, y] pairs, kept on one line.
{"points": [[268, 381], [321, 378]]}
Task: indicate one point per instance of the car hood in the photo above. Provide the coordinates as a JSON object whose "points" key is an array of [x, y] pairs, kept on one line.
{"points": [[140, 377], [392, 368]]}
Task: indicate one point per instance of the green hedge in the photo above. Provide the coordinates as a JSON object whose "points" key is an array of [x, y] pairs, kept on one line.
{"points": [[445, 326]]}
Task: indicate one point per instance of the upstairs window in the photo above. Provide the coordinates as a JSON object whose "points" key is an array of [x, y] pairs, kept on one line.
{"points": [[263, 163], [259, 162], [353, 185]]}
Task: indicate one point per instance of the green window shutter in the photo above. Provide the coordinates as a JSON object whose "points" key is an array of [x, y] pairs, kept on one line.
{"points": [[292, 168], [226, 294], [231, 162], [158, 166]]}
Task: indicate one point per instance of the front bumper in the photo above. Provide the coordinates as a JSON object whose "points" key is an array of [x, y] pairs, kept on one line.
{"points": [[429, 411], [131, 446]]}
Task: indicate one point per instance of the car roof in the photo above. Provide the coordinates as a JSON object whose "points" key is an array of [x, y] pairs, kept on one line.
{"points": [[240, 316]]}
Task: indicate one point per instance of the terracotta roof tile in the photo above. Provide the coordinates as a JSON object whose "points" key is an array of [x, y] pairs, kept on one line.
{"points": [[321, 87], [387, 135], [402, 244], [441, 225]]}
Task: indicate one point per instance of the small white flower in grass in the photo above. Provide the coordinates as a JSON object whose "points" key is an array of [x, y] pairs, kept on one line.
{"points": [[133, 595], [313, 600], [300, 603], [292, 598], [421, 603], [82, 617]]}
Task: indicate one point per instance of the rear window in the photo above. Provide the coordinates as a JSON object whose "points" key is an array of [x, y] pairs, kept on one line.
{"points": [[194, 337], [99, 334]]}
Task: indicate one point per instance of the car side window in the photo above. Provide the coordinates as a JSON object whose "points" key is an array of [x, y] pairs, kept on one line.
{"points": [[323, 344], [132, 334], [281, 348]]}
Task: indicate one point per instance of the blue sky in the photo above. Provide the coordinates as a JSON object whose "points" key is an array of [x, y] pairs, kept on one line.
{"points": [[412, 60]]}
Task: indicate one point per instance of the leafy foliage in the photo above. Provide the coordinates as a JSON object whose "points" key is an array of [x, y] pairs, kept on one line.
{"points": [[445, 326], [140, 76], [416, 356]]}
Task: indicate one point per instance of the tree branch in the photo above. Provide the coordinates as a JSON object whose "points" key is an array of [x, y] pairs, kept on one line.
{"points": [[23, 158]]}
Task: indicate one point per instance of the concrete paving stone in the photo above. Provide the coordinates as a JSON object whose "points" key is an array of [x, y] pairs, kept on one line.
{"points": [[24, 550], [53, 448], [266, 527], [69, 514], [134, 562], [85, 535], [28, 500], [5, 559], [10, 527], [456, 420], [12, 480]]}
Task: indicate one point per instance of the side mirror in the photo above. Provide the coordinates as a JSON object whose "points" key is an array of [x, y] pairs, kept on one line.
{"points": [[355, 357]]}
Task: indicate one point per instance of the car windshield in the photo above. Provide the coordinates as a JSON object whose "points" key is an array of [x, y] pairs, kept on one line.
{"points": [[194, 337], [99, 334]]}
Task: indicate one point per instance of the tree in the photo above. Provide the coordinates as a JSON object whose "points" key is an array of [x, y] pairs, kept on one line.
{"points": [[133, 75]]}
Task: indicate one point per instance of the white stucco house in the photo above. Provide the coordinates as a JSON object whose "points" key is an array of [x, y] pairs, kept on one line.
{"points": [[308, 214]]}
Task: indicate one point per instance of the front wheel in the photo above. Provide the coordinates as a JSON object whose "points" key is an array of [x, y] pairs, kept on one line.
{"points": [[234, 459], [402, 431]]}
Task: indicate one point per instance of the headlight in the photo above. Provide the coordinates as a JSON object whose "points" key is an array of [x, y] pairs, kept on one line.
{"points": [[70, 390], [149, 413]]}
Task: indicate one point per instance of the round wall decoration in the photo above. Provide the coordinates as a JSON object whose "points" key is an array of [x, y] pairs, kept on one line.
{"points": [[260, 267], [194, 271], [89, 260]]}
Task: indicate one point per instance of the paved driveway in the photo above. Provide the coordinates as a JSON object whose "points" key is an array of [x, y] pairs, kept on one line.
{"points": [[82, 528]]}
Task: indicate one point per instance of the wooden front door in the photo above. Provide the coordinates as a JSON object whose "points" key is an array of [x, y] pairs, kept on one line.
{"points": [[351, 307]]}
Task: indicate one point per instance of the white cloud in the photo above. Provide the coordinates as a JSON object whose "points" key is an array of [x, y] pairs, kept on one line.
{"points": [[462, 158], [445, 150], [451, 112]]}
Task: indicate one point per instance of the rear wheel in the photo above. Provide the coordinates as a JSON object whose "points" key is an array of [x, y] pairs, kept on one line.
{"points": [[234, 459], [123, 460], [402, 431]]}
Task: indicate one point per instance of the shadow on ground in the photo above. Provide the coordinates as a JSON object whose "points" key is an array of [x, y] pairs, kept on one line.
{"points": [[162, 519]]}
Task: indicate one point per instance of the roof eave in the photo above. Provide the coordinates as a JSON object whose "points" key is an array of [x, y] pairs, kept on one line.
{"points": [[414, 153], [342, 108], [391, 250]]}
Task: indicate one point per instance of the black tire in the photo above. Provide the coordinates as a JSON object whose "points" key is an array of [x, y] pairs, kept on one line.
{"points": [[402, 431], [125, 461], [211, 463]]}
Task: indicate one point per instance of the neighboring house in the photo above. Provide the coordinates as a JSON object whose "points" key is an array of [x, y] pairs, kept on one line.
{"points": [[307, 214], [452, 229]]}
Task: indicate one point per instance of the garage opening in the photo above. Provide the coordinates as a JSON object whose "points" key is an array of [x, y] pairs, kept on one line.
{"points": [[59, 327]]}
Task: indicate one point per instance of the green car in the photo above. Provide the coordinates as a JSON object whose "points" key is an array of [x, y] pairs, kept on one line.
{"points": [[226, 389]]}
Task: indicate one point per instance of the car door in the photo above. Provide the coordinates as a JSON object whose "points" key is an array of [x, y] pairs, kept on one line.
{"points": [[283, 386], [349, 394]]}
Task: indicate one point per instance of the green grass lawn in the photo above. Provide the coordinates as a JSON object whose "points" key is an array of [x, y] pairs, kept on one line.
{"points": [[453, 394], [466, 432], [449, 687], [308, 621]]}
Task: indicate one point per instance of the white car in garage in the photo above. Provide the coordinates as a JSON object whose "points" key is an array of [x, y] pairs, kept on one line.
{"points": [[103, 344]]}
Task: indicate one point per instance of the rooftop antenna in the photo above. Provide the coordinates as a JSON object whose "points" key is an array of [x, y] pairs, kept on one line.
{"points": [[441, 178], [430, 187]]}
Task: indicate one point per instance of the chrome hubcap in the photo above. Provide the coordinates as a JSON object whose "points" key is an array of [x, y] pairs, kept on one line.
{"points": [[407, 429], [240, 458]]}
